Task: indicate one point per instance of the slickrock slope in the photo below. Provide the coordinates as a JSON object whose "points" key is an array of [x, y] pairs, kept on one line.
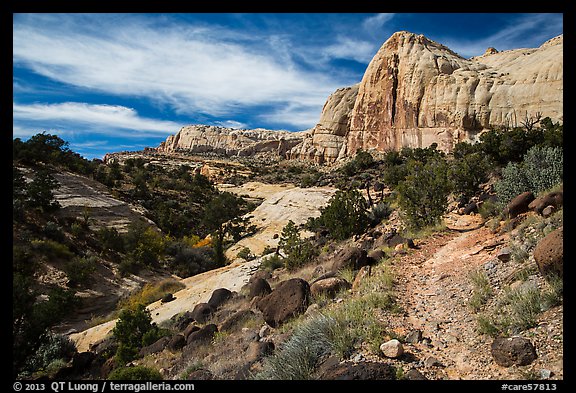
{"points": [[416, 92], [231, 142]]}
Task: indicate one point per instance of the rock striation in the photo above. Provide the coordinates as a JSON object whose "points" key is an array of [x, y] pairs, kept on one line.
{"points": [[230, 142], [416, 92]]}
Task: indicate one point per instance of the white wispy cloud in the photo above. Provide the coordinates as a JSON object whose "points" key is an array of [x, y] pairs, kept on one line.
{"points": [[78, 116], [354, 49], [527, 31], [191, 69], [377, 21]]}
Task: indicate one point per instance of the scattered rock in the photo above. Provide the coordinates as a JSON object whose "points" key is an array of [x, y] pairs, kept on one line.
{"points": [[505, 254], [549, 253], [414, 375], [548, 211], [289, 298], [392, 348], [414, 336], [329, 286], [431, 361], [511, 351]]}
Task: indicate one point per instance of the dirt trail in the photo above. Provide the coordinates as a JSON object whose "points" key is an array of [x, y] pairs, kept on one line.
{"points": [[433, 289]]}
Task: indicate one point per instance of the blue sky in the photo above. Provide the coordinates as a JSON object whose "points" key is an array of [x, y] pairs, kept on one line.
{"points": [[114, 82]]}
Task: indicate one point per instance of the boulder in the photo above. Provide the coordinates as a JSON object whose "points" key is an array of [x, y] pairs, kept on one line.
{"points": [[360, 276], [202, 312], [376, 255], [414, 336], [349, 257], [329, 286], [258, 287], [511, 351], [157, 346], [549, 253], [289, 298], [192, 327], [414, 375], [176, 343], [258, 349], [219, 297], [519, 204], [167, 298], [359, 371], [392, 348], [555, 199], [205, 334]]}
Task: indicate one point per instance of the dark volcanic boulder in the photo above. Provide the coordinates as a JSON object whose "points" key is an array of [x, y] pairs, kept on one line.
{"points": [[513, 351], [157, 346], [519, 204], [202, 311], [349, 257], [288, 299], [201, 336], [177, 342], [258, 287], [329, 286], [555, 199], [219, 297], [549, 253], [360, 371]]}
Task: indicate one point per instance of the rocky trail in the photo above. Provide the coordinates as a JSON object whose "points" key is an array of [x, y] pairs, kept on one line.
{"points": [[433, 289]]}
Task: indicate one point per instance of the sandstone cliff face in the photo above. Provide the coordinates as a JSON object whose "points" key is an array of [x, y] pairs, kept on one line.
{"points": [[416, 92], [231, 142], [327, 140]]}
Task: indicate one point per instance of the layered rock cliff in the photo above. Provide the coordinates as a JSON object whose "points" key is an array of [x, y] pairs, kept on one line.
{"points": [[231, 142], [416, 92]]}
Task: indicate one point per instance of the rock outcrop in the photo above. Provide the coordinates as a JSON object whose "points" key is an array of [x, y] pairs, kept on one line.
{"points": [[416, 92], [199, 139]]}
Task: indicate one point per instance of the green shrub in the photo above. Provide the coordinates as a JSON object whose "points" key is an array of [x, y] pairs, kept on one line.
{"points": [[110, 239], [482, 290], [136, 373], [541, 169], [467, 172], [299, 356], [131, 327], [379, 212], [297, 251], [55, 347], [80, 269], [52, 249], [271, 262], [344, 216], [423, 194], [245, 254]]}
